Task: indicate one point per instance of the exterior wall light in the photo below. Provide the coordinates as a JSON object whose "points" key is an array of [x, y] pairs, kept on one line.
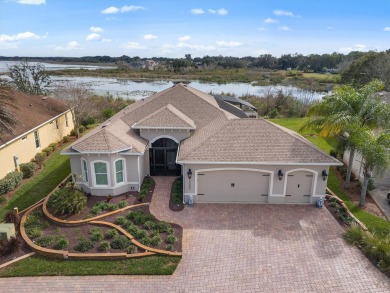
{"points": [[280, 174], [189, 174], [324, 175]]}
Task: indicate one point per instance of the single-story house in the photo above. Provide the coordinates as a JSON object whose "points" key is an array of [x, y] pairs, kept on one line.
{"points": [[41, 121], [223, 158]]}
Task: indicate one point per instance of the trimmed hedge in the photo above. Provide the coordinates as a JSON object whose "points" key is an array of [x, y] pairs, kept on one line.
{"points": [[10, 181], [27, 169]]}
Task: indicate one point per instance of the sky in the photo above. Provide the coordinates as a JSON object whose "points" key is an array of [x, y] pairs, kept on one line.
{"points": [[168, 28]]}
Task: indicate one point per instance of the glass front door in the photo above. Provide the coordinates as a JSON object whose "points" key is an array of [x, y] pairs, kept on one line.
{"points": [[163, 158]]}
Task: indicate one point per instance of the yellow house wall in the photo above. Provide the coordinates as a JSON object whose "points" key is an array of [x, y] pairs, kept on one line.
{"points": [[25, 149]]}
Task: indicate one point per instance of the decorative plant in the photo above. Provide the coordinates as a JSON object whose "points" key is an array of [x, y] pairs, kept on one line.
{"points": [[67, 200]]}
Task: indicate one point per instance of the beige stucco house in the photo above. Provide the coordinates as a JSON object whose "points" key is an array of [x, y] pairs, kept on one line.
{"points": [[223, 158], [41, 121]]}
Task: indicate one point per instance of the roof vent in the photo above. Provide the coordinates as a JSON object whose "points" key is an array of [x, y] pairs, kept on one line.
{"points": [[30, 105]]}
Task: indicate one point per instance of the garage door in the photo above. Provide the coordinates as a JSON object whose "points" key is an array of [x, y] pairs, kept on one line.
{"points": [[299, 187], [232, 186]]}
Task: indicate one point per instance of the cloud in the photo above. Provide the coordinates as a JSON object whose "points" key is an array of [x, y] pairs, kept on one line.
{"points": [[132, 46], [195, 47], [284, 28], [110, 10], [261, 29], [19, 37], [270, 20], [279, 12], [386, 29], [93, 37], [222, 11], [184, 38], [126, 8], [95, 29], [73, 45], [228, 44], [150, 37], [357, 47], [197, 11], [31, 2]]}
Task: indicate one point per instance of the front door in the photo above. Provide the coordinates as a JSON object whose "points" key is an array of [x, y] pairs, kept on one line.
{"points": [[163, 158]]}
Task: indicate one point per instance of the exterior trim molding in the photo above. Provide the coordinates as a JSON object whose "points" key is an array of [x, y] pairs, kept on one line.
{"points": [[94, 185], [164, 136]]}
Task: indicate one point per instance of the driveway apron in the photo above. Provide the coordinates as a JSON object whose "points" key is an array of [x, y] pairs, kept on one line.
{"points": [[240, 248]]}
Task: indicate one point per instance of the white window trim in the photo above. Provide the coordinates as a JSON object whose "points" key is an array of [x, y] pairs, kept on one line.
{"points": [[82, 170], [123, 170], [94, 174]]}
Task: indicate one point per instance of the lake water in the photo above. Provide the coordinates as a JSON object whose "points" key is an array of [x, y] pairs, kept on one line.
{"points": [[51, 66], [133, 89]]}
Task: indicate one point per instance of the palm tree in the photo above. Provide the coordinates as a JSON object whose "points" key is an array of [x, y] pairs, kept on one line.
{"points": [[7, 102], [375, 153], [348, 110]]}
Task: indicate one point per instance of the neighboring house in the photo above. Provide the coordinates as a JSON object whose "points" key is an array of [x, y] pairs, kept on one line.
{"points": [[357, 168], [223, 159], [41, 120]]}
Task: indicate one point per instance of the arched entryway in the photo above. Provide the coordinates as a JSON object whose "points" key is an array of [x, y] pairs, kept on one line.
{"points": [[162, 158]]}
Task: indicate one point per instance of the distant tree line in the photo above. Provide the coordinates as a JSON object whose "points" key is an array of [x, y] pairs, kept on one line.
{"points": [[308, 63]]}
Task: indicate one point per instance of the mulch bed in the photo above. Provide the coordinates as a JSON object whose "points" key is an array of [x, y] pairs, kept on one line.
{"points": [[172, 206], [23, 249], [335, 213]]}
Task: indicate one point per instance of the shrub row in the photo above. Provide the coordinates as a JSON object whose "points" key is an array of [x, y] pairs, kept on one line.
{"points": [[145, 188], [10, 182], [27, 169]]}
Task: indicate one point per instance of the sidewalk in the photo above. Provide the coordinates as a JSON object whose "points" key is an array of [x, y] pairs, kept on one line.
{"points": [[379, 195]]}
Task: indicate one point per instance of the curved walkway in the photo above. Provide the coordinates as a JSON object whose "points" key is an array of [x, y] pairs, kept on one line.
{"points": [[240, 248]]}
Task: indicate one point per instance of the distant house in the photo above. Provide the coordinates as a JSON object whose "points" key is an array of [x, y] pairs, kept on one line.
{"points": [[41, 120], [223, 158]]}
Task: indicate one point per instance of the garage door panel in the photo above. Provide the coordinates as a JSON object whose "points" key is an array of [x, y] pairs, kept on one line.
{"points": [[299, 187], [232, 186]]}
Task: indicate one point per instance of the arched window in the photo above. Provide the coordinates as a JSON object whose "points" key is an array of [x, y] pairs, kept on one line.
{"points": [[101, 173], [164, 143], [120, 171]]}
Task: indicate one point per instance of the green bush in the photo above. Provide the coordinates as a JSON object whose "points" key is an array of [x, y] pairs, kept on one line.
{"points": [[163, 226], [40, 159], [146, 241], [121, 220], [333, 153], [65, 138], [156, 240], [81, 128], [139, 219], [112, 207], [171, 239], [47, 150], [370, 185], [169, 247], [149, 225], [97, 236], [120, 242], [133, 230], [354, 235], [61, 244], [84, 245], [177, 191], [45, 241], [34, 232], [88, 120], [73, 132], [122, 204], [67, 200], [104, 246], [141, 234], [132, 249], [10, 182], [9, 246], [53, 145], [112, 233], [11, 217], [27, 169]]}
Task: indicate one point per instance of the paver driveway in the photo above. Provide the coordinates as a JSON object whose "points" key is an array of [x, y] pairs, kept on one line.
{"points": [[240, 248]]}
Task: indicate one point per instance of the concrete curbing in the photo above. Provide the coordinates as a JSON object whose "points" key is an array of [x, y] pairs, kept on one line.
{"points": [[17, 259]]}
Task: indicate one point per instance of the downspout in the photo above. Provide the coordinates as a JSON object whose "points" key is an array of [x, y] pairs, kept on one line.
{"points": [[139, 175]]}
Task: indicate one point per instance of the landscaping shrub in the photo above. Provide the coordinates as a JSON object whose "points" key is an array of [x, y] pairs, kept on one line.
{"points": [[354, 235], [333, 153], [120, 242], [97, 236], [146, 241], [61, 244], [163, 226], [149, 225], [141, 234], [132, 214], [40, 159], [45, 241], [122, 204], [67, 200], [9, 246], [34, 232], [171, 239], [53, 145], [84, 245], [11, 217], [177, 191], [169, 247], [121, 220], [370, 185], [133, 230], [73, 132], [132, 249], [96, 210], [104, 246], [139, 219], [112, 233], [10, 182], [86, 121], [47, 150], [156, 240], [81, 128], [112, 207], [27, 169], [65, 139]]}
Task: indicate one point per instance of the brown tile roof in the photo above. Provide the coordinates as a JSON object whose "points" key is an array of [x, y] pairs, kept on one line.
{"points": [[166, 117], [255, 141], [33, 111]]}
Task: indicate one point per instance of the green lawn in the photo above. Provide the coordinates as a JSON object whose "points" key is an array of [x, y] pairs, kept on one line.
{"points": [[40, 266], [56, 169], [372, 222]]}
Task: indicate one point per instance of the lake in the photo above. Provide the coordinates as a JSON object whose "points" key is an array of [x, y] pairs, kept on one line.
{"points": [[51, 66], [133, 89]]}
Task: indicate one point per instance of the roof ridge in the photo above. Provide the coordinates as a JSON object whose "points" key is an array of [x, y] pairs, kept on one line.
{"points": [[300, 138], [118, 138]]}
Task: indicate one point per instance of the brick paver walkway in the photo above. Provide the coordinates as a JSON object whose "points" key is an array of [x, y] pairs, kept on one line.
{"points": [[240, 248]]}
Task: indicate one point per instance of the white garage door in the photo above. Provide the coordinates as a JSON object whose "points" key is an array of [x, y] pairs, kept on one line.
{"points": [[299, 187], [232, 186]]}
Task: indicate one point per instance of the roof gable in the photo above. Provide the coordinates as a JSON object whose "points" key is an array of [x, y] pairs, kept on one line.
{"points": [[167, 117]]}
